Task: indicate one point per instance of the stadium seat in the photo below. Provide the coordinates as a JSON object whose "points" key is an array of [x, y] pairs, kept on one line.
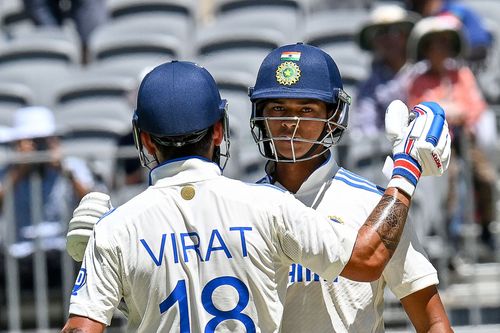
{"points": [[220, 39], [316, 6], [93, 110], [122, 8], [13, 18], [130, 54], [282, 20], [336, 33], [91, 102], [178, 26], [247, 61], [12, 97], [35, 47], [222, 7], [37, 63]]}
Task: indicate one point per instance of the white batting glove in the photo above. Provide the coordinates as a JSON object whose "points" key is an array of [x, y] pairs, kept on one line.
{"points": [[421, 143], [90, 210]]}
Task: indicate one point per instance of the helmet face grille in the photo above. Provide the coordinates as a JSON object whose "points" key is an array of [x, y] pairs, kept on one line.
{"points": [[333, 129]]}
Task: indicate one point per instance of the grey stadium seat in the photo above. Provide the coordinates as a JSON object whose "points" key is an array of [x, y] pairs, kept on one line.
{"points": [[13, 19], [130, 54], [246, 61], [177, 26], [222, 7], [12, 97], [220, 39], [122, 8], [284, 19], [38, 64], [91, 102], [336, 33]]}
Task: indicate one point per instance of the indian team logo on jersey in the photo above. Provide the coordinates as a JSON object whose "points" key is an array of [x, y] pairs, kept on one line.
{"points": [[288, 73], [336, 219], [81, 279]]}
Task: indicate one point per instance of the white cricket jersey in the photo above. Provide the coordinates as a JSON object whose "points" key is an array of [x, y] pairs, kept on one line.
{"points": [[342, 305], [198, 252]]}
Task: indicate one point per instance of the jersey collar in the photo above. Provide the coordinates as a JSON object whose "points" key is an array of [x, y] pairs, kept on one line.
{"points": [[183, 170], [310, 189]]}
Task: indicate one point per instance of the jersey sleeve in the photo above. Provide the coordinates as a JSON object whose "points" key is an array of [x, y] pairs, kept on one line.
{"points": [[409, 270], [308, 238], [98, 290]]}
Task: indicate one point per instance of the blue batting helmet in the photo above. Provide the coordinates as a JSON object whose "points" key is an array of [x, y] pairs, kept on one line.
{"points": [[299, 71], [177, 103], [178, 98]]}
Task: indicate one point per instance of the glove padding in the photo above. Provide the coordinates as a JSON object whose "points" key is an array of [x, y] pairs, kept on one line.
{"points": [[90, 210], [420, 148]]}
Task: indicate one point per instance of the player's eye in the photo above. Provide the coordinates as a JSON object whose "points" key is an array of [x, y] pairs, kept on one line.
{"points": [[278, 108], [306, 110]]}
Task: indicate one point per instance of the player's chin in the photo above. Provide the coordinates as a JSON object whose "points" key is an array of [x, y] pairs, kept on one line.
{"points": [[286, 150]]}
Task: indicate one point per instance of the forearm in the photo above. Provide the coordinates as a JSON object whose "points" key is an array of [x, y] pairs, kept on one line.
{"points": [[77, 324], [378, 237], [426, 311]]}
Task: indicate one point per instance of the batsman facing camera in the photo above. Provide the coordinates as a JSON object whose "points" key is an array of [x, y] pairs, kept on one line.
{"points": [[299, 72]]}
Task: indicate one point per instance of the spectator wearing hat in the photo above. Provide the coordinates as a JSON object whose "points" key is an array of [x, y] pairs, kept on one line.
{"points": [[475, 33], [385, 35], [439, 42], [62, 181]]}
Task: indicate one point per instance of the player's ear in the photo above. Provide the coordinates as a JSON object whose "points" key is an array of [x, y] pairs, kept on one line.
{"points": [[148, 143], [218, 135]]}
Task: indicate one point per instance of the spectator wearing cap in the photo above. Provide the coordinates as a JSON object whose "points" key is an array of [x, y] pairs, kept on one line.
{"points": [[62, 181], [385, 35], [439, 42], [475, 33]]}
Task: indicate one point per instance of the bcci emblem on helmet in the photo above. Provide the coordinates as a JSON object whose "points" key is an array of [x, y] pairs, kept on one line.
{"points": [[288, 73]]}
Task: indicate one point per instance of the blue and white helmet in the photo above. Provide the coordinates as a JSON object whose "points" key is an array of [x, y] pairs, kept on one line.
{"points": [[177, 103], [299, 71]]}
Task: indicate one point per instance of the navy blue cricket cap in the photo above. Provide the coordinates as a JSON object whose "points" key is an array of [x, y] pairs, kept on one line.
{"points": [[297, 71], [178, 98]]}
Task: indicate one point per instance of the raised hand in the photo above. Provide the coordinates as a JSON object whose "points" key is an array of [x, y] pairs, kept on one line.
{"points": [[421, 143]]}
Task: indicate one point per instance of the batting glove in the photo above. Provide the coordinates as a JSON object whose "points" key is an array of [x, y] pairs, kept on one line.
{"points": [[90, 210], [421, 143]]}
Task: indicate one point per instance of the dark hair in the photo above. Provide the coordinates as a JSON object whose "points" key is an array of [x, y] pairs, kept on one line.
{"points": [[199, 148]]}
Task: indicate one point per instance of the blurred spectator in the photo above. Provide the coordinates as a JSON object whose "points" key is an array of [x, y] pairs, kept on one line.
{"points": [[61, 181], [385, 35], [479, 39], [439, 42], [87, 15]]}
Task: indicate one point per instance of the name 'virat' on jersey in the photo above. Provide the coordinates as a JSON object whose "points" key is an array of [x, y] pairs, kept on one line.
{"points": [[197, 252]]}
